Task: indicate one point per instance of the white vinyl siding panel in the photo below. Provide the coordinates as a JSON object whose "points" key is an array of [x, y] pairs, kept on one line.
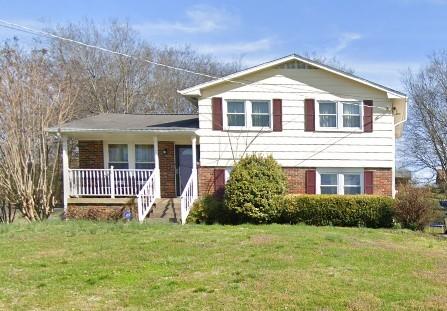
{"points": [[293, 146]]}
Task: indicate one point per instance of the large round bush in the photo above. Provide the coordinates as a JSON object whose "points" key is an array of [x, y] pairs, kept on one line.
{"points": [[254, 184]]}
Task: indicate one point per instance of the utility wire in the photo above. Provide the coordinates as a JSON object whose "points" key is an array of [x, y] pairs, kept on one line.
{"points": [[37, 32]]}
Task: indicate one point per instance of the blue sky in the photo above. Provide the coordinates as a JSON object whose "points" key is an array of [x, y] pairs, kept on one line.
{"points": [[378, 39]]}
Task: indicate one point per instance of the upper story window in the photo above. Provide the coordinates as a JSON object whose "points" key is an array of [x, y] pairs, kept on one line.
{"points": [[260, 113], [144, 157], [341, 181], [339, 115], [118, 156], [236, 113], [248, 114]]}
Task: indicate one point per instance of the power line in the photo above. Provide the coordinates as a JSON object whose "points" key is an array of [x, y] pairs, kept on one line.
{"points": [[47, 34]]}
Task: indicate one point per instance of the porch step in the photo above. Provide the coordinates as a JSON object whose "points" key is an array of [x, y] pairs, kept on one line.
{"points": [[166, 209]]}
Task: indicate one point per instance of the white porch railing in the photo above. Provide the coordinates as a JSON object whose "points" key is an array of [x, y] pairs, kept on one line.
{"points": [[107, 182], [146, 197], [188, 196]]}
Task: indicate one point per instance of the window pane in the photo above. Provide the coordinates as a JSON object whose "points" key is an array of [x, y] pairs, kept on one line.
{"points": [[260, 107], [328, 121], [328, 189], [118, 153], [352, 190], [119, 165], [144, 153], [351, 108], [328, 108], [351, 121], [328, 179], [352, 180], [236, 120], [144, 166], [261, 120], [236, 107]]}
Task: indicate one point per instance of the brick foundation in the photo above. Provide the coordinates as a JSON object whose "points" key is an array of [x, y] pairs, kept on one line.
{"points": [[296, 180], [91, 154], [383, 181], [167, 169]]}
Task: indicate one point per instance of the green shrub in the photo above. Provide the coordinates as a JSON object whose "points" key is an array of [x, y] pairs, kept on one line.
{"points": [[415, 207], [209, 210], [254, 184], [337, 210]]}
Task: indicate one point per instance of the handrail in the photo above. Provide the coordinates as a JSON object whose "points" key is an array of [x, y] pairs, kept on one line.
{"points": [[188, 197], [146, 197], [107, 182]]}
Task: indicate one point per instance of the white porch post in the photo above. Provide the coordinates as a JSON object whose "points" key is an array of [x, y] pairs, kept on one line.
{"points": [[194, 166], [65, 172], [157, 169]]}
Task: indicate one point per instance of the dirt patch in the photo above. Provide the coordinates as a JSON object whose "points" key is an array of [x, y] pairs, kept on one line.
{"points": [[262, 239]]}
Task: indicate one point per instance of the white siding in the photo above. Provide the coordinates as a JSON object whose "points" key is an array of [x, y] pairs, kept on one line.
{"points": [[293, 147]]}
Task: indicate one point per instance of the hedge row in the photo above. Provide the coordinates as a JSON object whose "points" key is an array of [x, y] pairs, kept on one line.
{"points": [[319, 210], [336, 210]]}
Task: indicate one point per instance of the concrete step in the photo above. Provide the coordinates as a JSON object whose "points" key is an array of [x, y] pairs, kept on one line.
{"points": [[167, 209]]}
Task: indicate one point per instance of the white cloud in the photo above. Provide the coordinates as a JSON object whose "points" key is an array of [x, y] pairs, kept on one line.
{"points": [[343, 42], [199, 19]]}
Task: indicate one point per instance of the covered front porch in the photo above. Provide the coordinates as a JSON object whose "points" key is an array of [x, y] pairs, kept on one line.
{"points": [[141, 163]]}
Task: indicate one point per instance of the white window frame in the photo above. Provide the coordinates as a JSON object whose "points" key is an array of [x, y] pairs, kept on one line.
{"points": [[339, 111], [135, 154], [131, 156], [106, 154], [248, 115], [340, 178]]}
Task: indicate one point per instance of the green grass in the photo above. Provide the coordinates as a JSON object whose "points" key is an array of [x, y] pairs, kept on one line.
{"points": [[104, 266]]}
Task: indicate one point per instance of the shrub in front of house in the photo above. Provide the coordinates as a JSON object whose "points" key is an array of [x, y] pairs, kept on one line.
{"points": [[210, 210], [416, 207], [253, 187], [337, 210]]}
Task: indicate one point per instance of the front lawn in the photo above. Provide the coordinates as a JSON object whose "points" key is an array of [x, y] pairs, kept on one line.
{"points": [[105, 266]]}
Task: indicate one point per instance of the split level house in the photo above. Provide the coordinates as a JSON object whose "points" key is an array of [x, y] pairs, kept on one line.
{"points": [[331, 131]]}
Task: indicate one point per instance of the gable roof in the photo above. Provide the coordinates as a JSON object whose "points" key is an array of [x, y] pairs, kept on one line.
{"points": [[232, 78], [116, 122]]}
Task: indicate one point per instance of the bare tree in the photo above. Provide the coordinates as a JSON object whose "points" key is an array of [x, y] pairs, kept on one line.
{"points": [[113, 83], [425, 139], [329, 61], [33, 96]]}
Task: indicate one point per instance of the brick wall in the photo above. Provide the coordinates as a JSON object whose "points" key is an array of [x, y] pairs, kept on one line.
{"points": [[206, 180], [91, 154], [383, 181], [296, 180], [167, 169]]}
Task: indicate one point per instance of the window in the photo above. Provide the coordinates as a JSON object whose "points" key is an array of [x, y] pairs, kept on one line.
{"points": [[260, 114], [352, 184], [118, 156], [144, 157], [328, 184], [339, 115], [236, 113], [328, 114], [340, 181], [351, 115], [249, 114]]}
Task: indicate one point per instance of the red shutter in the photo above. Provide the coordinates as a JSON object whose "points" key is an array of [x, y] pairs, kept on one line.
{"points": [[277, 115], [219, 182], [217, 113], [367, 116], [311, 176], [309, 115], [368, 182]]}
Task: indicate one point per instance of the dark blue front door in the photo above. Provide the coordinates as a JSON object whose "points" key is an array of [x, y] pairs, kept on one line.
{"points": [[183, 166]]}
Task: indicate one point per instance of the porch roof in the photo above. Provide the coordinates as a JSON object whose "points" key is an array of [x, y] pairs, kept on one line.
{"points": [[116, 122]]}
